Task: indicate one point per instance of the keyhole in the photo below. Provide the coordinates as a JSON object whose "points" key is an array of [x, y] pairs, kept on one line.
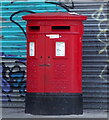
{"points": [[48, 56]]}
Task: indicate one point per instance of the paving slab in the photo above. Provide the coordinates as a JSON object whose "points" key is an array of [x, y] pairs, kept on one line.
{"points": [[20, 113]]}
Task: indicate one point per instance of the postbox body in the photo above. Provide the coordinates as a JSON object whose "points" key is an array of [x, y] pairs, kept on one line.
{"points": [[54, 63]]}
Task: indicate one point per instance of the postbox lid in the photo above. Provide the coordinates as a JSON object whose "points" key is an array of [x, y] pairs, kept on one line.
{"points": [[53, 15]]}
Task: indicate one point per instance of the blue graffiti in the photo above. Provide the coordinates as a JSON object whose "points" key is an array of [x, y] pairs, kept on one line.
{"points": [[13, 77]]}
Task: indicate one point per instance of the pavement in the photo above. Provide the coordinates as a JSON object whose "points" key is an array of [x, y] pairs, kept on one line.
{"points": [[20, 113]]}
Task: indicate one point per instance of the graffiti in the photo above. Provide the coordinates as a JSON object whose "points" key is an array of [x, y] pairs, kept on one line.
{"points": [[101, 17], [13, 79], [16, 47], [17, 0]]}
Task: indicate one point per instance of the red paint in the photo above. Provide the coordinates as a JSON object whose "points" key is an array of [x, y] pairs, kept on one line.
{"points": [[60, 73]]}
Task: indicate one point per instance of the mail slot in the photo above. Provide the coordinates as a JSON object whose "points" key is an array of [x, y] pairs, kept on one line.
{"points": [[54, 63]]}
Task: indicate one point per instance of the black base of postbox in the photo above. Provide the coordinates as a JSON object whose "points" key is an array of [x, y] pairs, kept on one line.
{"points": [[54, 103]]}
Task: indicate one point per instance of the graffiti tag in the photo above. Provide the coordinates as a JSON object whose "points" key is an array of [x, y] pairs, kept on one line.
{"points": [[13, 78]]}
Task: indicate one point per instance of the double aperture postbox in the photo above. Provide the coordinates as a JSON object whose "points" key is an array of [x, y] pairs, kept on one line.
{"points": [[54, 63]]}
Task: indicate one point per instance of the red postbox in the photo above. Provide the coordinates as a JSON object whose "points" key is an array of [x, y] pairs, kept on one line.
{"points": [[54, 63]]}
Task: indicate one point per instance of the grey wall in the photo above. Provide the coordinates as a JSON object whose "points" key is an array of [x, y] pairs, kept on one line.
{"points": [[95, 52]]}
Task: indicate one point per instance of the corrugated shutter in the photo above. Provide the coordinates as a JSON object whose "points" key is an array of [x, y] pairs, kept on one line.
{"points": [[95, 56]]}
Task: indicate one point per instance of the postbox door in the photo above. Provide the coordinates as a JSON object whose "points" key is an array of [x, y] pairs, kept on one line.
{"points": [[56, 60], [35, 63]]}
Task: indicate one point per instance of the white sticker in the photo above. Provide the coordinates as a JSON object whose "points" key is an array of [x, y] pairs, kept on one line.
{"points": [[32, 48], [60, 48], [53, 36]]}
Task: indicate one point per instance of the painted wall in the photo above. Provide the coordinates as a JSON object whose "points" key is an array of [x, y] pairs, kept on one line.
{"points": [[95, 52]]}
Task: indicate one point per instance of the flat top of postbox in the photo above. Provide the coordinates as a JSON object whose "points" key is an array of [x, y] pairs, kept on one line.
{"points": [[54, 15]]}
